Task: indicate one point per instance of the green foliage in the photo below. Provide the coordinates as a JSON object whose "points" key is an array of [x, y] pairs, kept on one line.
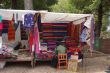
{"points": [[5, 4], [105, 34], [105, 23], [43, 4], [76, 6], [62, 6]]}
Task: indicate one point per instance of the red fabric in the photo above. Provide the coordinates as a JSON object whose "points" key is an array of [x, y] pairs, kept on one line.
{"points": [[1, 26], [11, 31], [31, 41], [74, 49]]}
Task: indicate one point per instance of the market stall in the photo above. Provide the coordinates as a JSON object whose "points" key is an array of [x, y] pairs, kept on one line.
{"points": [[46, 34], [18, 29], [72, 30]]}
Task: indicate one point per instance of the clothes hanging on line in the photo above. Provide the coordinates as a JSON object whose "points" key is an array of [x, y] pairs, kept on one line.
{"points": [[1, 26], [83, 36], [11, 31], [5, 26], [28, 20], [0, 18], [31, 37], [36, 39]]}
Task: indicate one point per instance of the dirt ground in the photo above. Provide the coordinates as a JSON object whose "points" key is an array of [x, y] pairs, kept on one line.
{"points": [[96, 64]]}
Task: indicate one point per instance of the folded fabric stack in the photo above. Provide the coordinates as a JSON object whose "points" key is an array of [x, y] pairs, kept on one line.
{"points": [[45, 56], [51, 45], [54, 31], [7, 52]]}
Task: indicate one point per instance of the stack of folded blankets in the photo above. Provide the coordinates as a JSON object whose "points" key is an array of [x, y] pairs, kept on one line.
{"points": [[54, 31]]}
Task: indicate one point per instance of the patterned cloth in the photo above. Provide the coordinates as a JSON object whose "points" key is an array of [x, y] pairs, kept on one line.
{"points": [[11, 31], [28, 20], [31, 37], [83, 36], [36, 40], [1, 26]]}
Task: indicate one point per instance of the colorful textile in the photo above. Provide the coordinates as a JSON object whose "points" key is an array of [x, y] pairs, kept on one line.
{"points": [[31, 40], [0, 41], [83, 36], [11, 31], [36, 39], [0, 18], [1, 26], [5, 26], [28, 20]]}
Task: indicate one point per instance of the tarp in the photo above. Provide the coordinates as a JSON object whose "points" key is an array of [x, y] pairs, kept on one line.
{"points": [[49, 17], [7, 14]]}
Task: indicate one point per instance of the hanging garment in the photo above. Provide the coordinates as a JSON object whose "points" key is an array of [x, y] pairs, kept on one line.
{"points": [[18, 33], [11, 31], [83, 36], [5, 26], [1, 26], [31, 37], [24, 36], [0, 18], [36, 39], [28, 20], [16, 18], [0, 41], [37, 18]]}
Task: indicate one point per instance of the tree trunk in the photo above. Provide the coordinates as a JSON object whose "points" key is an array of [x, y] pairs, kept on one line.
{"points": [[28, 4], [100, 16], [14, 4]]}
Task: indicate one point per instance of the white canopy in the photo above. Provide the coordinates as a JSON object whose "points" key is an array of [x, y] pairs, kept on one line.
{"points": [[49, 17]]}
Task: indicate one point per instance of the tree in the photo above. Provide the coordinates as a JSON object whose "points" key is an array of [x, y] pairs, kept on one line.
{"points": [[5, 4], [43, 4], [62, 6], [28, 4], [12, 4], [103, 8], [96, 7]]}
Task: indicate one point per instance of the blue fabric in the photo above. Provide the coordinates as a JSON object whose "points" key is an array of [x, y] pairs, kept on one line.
{"points": [[83, 35], [0, 18], [28, 20]]}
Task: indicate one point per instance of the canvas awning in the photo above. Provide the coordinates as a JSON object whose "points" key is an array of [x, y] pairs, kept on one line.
{"points": [[50, 17]]}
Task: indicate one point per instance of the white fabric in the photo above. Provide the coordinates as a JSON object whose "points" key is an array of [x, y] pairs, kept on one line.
{"points": [[18, 34], [25, 42], [8, 13], [43, 48], [49, 17], [78, 21], [0, 42], [5, 37], [88, 22]]}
